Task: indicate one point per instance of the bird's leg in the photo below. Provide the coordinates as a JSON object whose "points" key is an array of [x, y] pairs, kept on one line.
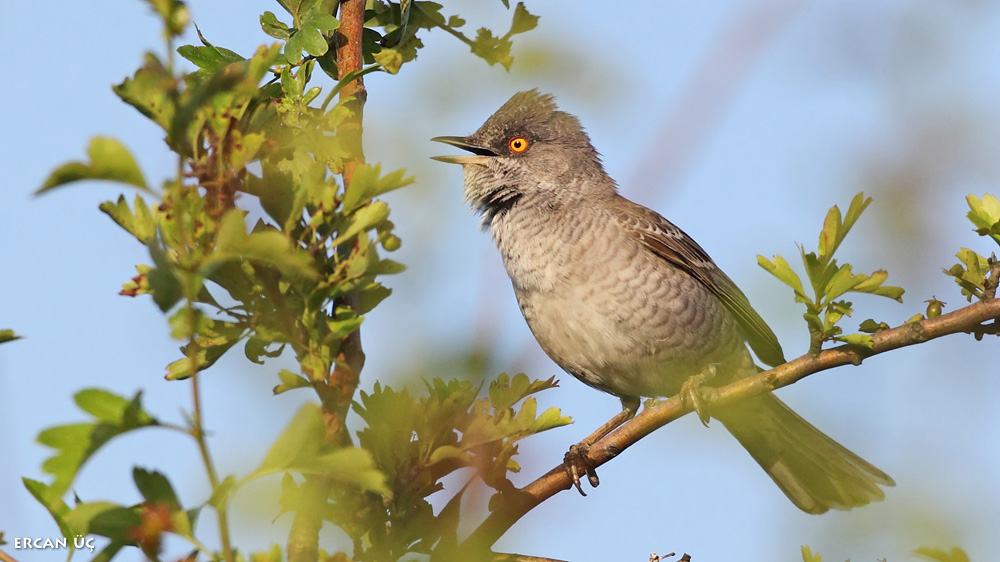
{"points": [[693, 391], [575, 459]]}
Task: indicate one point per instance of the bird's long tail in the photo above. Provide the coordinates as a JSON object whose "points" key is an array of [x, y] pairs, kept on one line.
{"points": [[813, 470]]}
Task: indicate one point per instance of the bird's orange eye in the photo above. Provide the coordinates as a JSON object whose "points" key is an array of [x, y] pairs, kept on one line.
{"points": [[518, 144]]}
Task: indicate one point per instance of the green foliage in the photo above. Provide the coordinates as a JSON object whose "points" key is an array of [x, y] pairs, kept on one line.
{"points": [[302, 449], [111, 416], [974, 271], [418, 442], [830, 281], [401, 21], [299, 277]]}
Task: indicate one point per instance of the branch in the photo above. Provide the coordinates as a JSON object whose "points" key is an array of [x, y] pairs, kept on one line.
{"points": [[514, 505], [338, 390]]}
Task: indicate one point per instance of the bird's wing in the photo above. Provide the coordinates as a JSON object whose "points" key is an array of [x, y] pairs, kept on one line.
{"points": [[671, 243]]}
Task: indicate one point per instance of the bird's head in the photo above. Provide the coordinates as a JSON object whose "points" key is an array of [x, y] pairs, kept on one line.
{"points": [[529, 152]]}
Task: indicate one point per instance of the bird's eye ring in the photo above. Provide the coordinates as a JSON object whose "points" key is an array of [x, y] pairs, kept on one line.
{"points": [[518, 144]]}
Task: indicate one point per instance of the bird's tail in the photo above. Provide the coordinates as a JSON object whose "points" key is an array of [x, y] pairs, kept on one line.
{"points": [[813, 470]]}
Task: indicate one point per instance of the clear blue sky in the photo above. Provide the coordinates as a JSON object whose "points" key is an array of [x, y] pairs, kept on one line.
{"points": [[742, 125]]}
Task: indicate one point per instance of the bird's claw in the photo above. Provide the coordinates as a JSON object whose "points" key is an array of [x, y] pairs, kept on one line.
{"points": [[576, 464], [694, 392]]}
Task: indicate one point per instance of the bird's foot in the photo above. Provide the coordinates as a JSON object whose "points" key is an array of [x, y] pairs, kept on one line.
{"points": [[695, 393], [576, 464]]}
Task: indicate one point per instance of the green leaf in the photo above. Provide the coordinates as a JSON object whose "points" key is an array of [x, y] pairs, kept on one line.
{"points": [[103, 405], [523, 20], [870, 326], [492, 49], [862, 340], [224, 493], [778, 267], [985, 215], [270, 248], [366, 184], [276, 191], [152, 91], [155, 488], [109, 160], [174, 14], [208, 57], [274, 27], [389, 59], [139, 223], [370, 297], [301, 448], [290, 381], [808, 556], [75, 443], [841, 282], [8, 335], [835, 229], [970, 273], [363, 219], [51, 499]]}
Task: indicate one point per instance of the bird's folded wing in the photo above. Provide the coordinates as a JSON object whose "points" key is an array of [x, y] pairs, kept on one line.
{"points": [[671, 243]]}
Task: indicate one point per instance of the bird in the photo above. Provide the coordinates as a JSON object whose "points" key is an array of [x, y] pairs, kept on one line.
{"points": [[626, 302]]}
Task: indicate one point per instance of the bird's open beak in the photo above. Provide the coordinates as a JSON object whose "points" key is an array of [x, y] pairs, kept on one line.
{"points": [[480, 154]]}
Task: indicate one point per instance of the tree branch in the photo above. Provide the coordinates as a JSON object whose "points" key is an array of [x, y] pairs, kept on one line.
{"points": [[514, 505], [337, 391]]}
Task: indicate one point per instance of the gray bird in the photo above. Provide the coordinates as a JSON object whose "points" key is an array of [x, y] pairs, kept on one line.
{"points": [[628, 303]]}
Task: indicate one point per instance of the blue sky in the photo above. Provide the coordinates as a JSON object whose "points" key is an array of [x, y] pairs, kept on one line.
{"points": [[742, 122]]}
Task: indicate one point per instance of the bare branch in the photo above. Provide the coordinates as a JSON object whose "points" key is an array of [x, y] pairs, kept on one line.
{"points": [[513, 505]]}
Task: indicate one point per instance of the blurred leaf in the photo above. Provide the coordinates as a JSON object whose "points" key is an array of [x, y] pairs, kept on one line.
{"points": [[8, 335], [173, 13], [955, 555], [270, 248], [109, 160], [365, 218], [808, 556], [51, 499], [155, 488], [113, 415], [492, 49], [367, 183], [301, 448]]}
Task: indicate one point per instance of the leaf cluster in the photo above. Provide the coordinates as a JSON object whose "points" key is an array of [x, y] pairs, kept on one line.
{"points": [[830, 281], [111, 416], [271, 235], [975, 273], [417, 442]]}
